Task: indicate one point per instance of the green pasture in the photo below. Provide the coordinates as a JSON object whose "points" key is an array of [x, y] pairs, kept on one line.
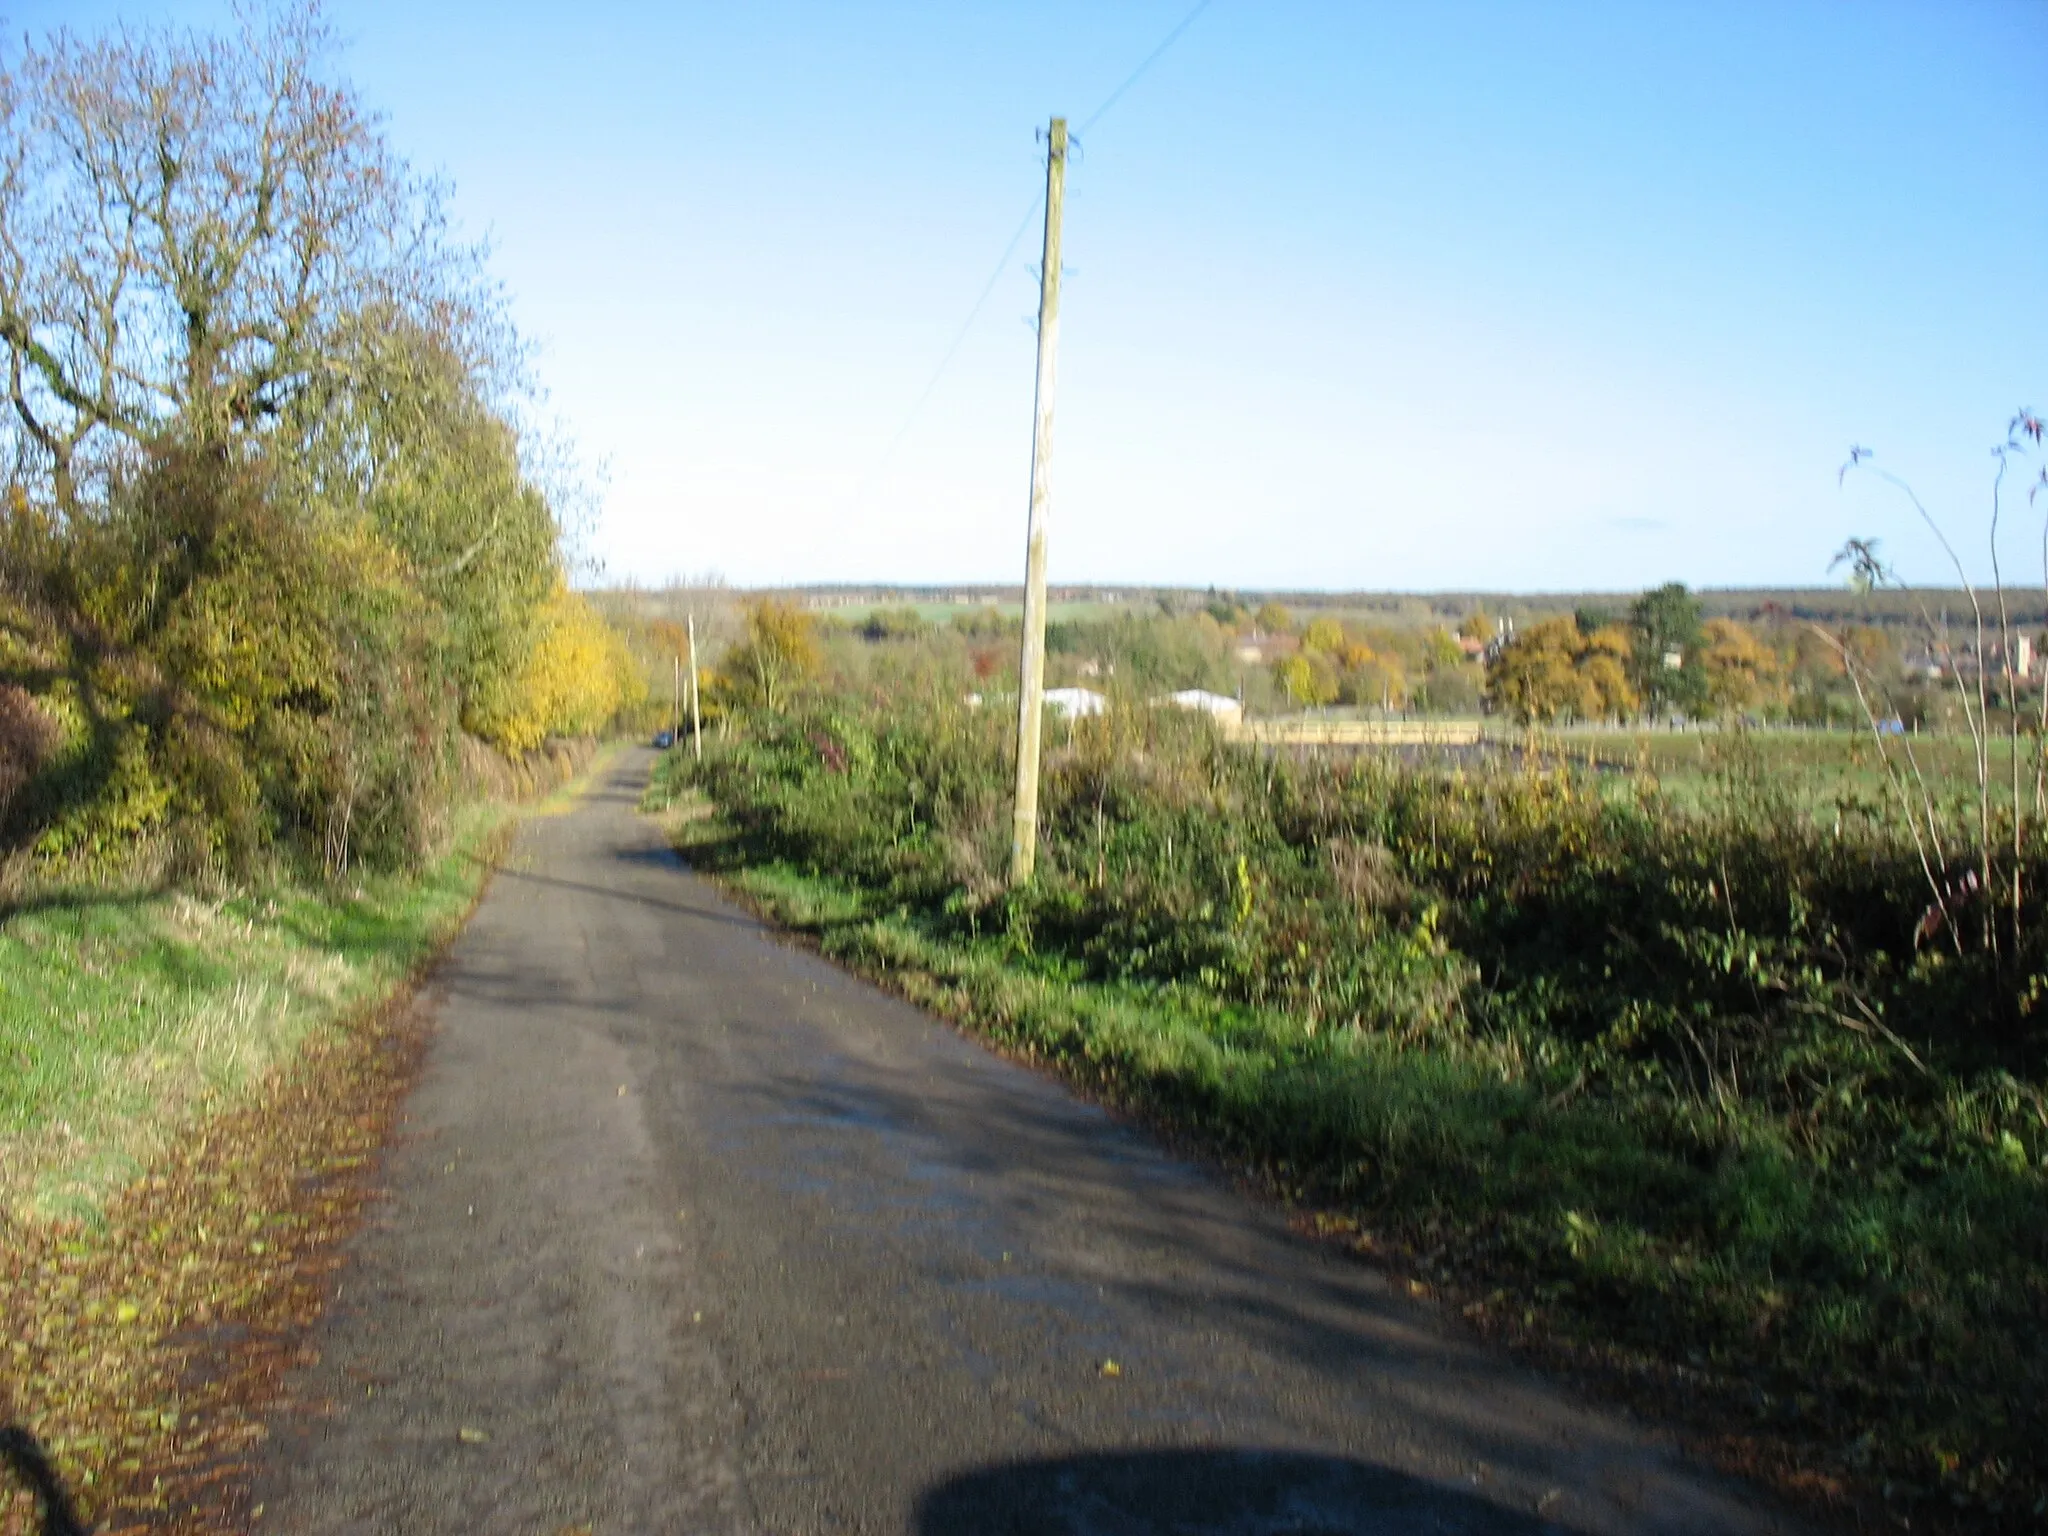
{"points": [[1817, 770]]}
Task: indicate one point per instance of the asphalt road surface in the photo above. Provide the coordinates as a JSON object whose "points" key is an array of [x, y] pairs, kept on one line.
{"points": [[688, 1231]]}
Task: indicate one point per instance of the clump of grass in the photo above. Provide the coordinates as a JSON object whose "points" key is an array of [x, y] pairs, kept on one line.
{"points": [[1676, 1081]]}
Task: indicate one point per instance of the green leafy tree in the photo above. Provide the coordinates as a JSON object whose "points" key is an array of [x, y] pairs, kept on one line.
{"points": [[1667, 665], [1162, 653], [1226, 610], [263, 664], [1448, 691], [1374, 678], [438, 474], [1592, 619], [904, 623]]}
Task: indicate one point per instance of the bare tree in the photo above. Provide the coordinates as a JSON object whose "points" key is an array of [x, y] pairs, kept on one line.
{"points": [[196, 232]]}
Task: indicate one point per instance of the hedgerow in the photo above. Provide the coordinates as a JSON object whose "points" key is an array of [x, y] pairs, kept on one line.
{"points": [[1690, 1081]]}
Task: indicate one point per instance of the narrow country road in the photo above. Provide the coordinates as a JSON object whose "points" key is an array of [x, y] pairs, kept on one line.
{"points": [[689, 1232]]}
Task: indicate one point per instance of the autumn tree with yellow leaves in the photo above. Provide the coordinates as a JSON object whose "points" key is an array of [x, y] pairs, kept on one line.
{"points": [[1553, 671], [1333, 666], [1743, 674], [579, 679], [776, 658]]}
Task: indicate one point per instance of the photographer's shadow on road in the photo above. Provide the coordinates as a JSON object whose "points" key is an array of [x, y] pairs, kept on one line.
{"points": [[1206, 1493]]}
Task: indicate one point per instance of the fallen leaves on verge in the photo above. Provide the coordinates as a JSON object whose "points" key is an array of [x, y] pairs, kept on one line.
{"points": [[144, 1350]]}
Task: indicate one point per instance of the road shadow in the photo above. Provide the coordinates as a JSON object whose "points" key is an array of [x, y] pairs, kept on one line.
{"points": [[1221, 1492], [965, 1177], [656, 858]]}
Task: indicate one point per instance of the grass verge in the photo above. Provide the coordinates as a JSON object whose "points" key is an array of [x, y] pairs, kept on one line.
{"points": [[123, 1016], [146, 1349], [196, 1090]]}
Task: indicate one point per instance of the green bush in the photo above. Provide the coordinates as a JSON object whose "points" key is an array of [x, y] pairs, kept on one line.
{"points": [[230, 677]]}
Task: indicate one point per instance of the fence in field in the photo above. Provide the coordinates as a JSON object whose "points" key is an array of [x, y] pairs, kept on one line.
{"points": [[1311, 732]]}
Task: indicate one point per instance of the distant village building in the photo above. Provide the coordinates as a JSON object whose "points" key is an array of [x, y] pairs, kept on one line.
{"points": [[1220, 707], [2026, 660], [1256, 650]]}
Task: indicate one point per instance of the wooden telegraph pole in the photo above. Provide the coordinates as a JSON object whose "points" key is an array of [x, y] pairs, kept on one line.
{"points": [[1031, 670], [696, 717]]}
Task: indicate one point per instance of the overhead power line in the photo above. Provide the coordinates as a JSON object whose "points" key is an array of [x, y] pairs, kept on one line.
{"points": [[1010, 248], [960, 336], [1137, 74]]}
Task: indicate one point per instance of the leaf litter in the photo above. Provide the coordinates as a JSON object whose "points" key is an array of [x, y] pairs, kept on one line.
{"points": [[146, 1348]]}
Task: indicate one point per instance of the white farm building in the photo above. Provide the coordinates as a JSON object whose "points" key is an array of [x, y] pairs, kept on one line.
{"points": [[1220, 707]]}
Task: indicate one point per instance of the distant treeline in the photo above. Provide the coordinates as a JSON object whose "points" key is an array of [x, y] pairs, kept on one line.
{"points": [[1886, 607], [1667, 654]]}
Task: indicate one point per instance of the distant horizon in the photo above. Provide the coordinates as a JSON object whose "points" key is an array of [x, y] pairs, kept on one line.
{"points": [[1066, 591]]}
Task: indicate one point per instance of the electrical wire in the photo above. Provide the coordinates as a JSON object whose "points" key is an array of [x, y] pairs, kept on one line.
{"points": [[1135, 75], [1003, 261], [960, 336]]}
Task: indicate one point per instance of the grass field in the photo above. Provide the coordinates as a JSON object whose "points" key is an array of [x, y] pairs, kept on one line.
{"points": [[1824, 772]]}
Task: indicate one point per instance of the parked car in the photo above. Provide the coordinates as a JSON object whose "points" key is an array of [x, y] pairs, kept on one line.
{"points": [[664, 739]]}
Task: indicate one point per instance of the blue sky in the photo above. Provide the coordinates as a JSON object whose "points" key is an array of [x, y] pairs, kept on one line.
{"points": [[1451, 296]]}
